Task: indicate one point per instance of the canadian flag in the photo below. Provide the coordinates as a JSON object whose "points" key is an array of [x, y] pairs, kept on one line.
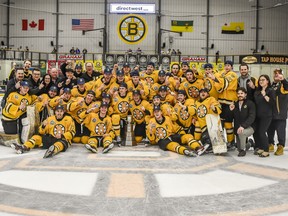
{"points": [[33, 25]]}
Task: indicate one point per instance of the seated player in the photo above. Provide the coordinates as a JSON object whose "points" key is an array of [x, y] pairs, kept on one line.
{"points": [[56, 134]]}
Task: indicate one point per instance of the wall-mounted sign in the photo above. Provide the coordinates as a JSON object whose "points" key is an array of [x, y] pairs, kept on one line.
{"points": [[194, 59], [132, 8], [72, 57], [132, 29], [264, 59]]}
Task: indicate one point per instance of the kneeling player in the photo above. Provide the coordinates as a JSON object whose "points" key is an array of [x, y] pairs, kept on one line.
{"points": [[100, 126]]}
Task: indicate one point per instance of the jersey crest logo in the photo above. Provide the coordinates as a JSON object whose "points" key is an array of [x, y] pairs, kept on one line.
{"points": [[24, 101], [193, 92], [137, 114], [58, 129], [161, 133], [208, 84], [100, 129], [123, 106], [201, 111], [184, 114]]}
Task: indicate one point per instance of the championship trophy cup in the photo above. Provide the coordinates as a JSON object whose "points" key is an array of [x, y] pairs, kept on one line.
{"points": [[129, 137]]}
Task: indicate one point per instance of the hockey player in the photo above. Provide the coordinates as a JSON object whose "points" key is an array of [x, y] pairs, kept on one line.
{"points": [[149, 75], [42, 103], [208, 82], [185, 112], [63, 100], [169, 136], [192, 85], [205, 105], [141, 112], [81, 89], [56, 134], [75, 108], [136, 84], [15, 109], [226, 84], [166, 108], [101, 132], [120, 105], [103, 84], [163, 80], [115, 85], [165, 97]]}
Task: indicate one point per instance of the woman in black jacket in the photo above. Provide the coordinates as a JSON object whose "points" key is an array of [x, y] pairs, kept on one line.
{"points": [[47, 82], [264, 99]]}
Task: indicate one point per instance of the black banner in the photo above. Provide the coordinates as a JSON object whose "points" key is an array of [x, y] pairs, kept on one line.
{"points": [[264, 59]]}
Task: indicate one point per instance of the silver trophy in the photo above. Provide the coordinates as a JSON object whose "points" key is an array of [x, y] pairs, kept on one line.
{"points": [[129, 138]]}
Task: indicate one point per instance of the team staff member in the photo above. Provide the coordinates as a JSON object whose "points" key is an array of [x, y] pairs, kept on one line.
{"points": [[90, 74], [26, 67], [265, 102], [101, 131], [56, 134], [15, 109], [278, 124], [247, 81], [244, 112], [226, 85], [35, 82], [13, 84], [169, 136]]}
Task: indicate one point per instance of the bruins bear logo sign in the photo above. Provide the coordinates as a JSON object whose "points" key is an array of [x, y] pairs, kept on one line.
{"points": [[132, 29]]}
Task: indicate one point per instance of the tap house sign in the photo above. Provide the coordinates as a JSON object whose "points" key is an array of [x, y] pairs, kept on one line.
{"points": [[274, 59], [264, 59]]}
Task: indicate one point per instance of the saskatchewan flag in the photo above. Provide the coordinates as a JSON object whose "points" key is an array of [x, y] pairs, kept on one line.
{"points": [[233, 28], [181, 26]]}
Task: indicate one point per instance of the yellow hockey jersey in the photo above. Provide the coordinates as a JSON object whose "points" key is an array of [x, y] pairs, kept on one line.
{"points": [[161, 130], [12, 110], [99, 126], [120, 104], [65, 126], [203, 108], [138, 112]]}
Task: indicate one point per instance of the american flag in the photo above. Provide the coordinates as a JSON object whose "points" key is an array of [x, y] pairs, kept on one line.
{"points": [[82, 24]]}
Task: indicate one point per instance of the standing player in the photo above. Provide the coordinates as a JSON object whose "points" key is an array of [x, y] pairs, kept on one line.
{"points": [[226, 85]]}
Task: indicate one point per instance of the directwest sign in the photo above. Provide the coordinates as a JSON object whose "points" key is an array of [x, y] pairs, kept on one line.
{"points": [[132, 8]]}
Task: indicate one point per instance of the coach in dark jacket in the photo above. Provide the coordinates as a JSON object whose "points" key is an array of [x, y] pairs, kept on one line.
{"points": [[244, 112], [278, 124]]}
